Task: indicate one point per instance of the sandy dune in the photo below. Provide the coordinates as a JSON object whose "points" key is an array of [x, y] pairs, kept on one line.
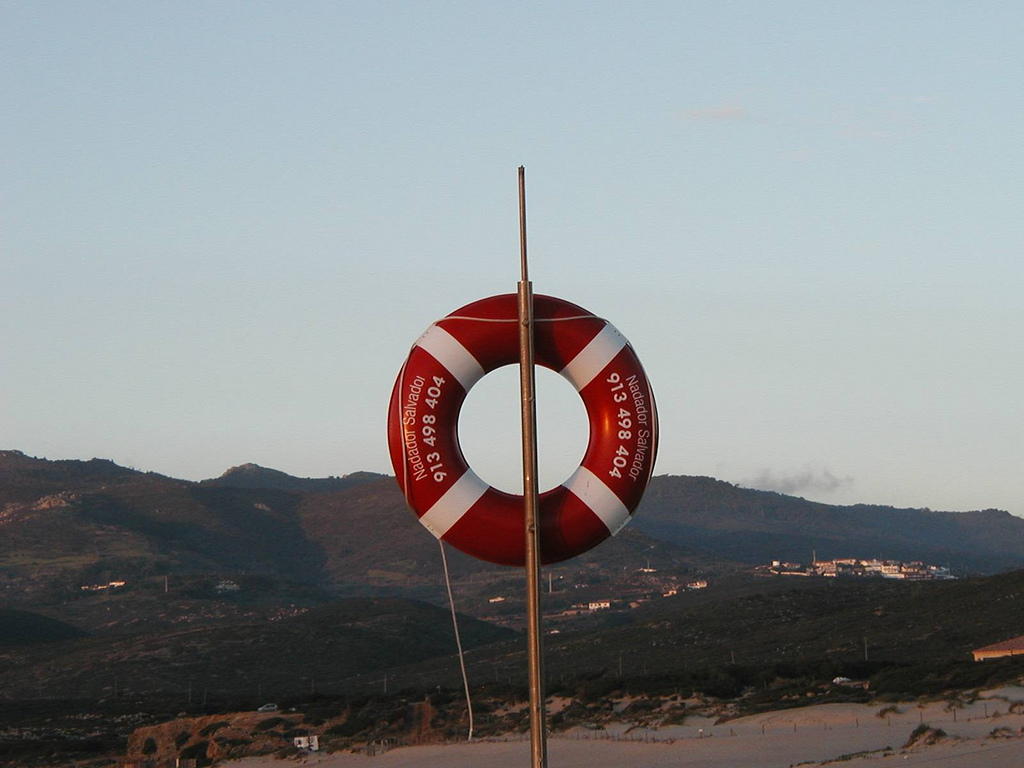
{"points": [[810, 736]]}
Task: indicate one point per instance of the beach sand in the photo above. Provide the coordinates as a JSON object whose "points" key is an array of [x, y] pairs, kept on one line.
{"points": [[810, 737]]}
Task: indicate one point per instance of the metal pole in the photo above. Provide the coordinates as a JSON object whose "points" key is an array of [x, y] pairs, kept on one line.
{"points": [[538, 735]]}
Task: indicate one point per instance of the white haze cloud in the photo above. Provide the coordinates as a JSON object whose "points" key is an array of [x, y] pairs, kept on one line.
{"points": [[802, 481]]}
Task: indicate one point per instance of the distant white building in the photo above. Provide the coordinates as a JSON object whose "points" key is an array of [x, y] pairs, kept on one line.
{"points": [[1012, 647], [312, 742]]}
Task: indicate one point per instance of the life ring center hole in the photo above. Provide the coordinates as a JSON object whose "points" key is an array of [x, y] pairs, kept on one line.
{"points": [[490, 429]]}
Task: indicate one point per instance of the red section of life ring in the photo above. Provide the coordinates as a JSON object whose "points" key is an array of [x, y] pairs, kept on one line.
{"points": [[451, 500]]}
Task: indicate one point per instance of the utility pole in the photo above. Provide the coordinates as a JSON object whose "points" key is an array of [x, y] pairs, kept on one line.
{"points": [[538, 735]]}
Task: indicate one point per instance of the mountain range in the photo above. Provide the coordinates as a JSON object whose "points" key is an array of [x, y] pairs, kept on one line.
{"points": [[65, 523], [68, 524]]}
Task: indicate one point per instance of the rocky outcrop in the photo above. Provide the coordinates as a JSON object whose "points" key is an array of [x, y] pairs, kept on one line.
{"points": [[216, 737]]}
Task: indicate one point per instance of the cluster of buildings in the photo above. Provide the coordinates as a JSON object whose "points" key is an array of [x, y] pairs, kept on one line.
{"points": [[636, 602], [100, 587], [855, 567], [636, 588]]}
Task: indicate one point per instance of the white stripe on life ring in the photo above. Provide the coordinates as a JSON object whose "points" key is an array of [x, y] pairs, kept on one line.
{"points": [[593, 358], [456, 502], [450, 353], [602, 501]]}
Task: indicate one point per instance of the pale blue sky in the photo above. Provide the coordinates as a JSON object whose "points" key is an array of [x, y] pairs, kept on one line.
{"points": [[223, 225]]}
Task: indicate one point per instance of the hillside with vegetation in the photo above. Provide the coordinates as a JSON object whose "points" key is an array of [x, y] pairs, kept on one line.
{"points": [[363, 670], [27, 628], [236, 661], [134, 596], [754, 526]]}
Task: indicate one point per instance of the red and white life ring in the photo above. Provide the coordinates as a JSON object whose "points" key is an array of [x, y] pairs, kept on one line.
{"points": [[451, 500]]}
